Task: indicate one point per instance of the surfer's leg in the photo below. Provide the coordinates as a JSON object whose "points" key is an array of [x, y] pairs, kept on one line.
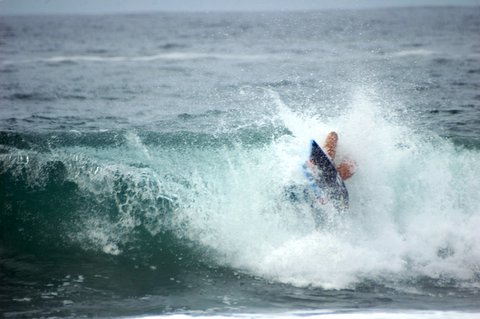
{"points": [[347, 168], [330, 144]]}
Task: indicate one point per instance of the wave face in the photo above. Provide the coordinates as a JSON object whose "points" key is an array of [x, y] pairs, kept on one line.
{"points": [[414, 207], [204, 204]]}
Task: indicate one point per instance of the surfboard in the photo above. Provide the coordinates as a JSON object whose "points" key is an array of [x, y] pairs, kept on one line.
{"points": [[324, 179]]}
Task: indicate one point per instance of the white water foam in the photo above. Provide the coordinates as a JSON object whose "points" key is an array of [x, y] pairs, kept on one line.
{"points": [[414, 52], [414, 204]]}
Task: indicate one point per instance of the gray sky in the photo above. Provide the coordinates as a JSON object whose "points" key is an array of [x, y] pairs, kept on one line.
{"points": [[123, 6]]}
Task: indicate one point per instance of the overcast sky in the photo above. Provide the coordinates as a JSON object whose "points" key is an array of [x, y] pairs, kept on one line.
{"points": [[116, 6]]}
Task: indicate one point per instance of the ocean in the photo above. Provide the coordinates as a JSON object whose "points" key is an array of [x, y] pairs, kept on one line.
{"points": [[146, 162]]}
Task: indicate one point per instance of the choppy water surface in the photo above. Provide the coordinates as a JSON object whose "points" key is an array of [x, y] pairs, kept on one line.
{"points": [[145, 162]]}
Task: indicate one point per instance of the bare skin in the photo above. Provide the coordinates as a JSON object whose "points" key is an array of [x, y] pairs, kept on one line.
{"points": [[347, 167], [330, 144]]}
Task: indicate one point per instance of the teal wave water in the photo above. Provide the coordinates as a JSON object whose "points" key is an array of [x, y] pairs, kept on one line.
{"points": [[156, 181]]}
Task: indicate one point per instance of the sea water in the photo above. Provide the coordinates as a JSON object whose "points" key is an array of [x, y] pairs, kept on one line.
{"points": [[145, 158]]}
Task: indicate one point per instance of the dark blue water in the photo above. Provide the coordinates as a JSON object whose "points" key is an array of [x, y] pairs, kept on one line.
{"points": [[144, 163]]}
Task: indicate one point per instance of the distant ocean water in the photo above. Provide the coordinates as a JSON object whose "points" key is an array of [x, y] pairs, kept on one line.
{"points": [[144, 161]]}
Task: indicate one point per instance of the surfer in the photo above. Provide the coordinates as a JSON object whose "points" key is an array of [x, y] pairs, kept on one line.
{"points": [[347, 167], [324, 177]]}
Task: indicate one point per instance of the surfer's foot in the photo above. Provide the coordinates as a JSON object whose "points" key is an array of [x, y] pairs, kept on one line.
{"points": [[347, 168], [330, 145]]}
